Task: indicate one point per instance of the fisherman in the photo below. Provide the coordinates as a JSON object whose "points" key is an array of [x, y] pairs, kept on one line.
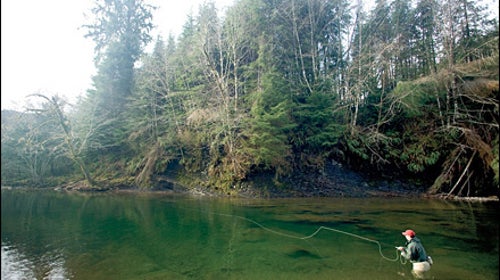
{"points": [[415, 253]]}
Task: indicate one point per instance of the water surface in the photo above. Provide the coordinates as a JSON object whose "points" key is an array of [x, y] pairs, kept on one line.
{"points": [[56, 235]]}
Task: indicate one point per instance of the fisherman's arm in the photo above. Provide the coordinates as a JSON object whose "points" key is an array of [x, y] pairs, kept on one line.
{"points": [[404, 252]]}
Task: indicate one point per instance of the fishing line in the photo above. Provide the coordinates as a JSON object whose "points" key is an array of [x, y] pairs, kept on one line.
{"points": [[314, 234]]}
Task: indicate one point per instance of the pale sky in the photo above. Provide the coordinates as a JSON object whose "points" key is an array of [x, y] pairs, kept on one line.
{"points": [[44, 51]]}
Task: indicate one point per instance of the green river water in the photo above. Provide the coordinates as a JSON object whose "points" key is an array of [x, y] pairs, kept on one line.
{"points": [[58, 235]]}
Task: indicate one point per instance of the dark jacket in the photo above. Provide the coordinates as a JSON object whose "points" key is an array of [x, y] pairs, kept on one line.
{"points": [[414, 251]]}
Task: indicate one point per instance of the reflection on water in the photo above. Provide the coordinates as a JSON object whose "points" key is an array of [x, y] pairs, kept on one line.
{"points": [[50, 235], [16, 265]]}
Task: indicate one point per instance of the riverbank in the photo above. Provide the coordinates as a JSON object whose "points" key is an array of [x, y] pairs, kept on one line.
{"points": [[332, 190], [334, 181]]}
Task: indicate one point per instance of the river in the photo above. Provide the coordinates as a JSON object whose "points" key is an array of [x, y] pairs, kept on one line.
{"points": [[59, 235]]}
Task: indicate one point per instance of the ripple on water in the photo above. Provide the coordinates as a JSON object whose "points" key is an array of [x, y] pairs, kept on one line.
{"points": [[17, 265]]}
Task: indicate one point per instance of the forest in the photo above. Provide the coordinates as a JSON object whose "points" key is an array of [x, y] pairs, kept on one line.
{"points": [[407, 90]]}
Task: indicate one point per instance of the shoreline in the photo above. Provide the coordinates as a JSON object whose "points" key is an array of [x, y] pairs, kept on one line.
{"points": [[335, 181], [198, 192]]}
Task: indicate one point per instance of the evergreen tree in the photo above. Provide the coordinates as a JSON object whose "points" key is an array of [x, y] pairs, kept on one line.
{"points": [[424, 37], [120, 31]]}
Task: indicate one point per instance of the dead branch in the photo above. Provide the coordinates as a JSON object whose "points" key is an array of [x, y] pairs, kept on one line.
{"points": [[461, 176]]}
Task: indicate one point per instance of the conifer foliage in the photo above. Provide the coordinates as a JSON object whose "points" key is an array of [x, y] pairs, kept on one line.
{"points": [[407, 90]]}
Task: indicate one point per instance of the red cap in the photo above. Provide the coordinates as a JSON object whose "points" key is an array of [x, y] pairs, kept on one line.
{"points": [[409, 232]]}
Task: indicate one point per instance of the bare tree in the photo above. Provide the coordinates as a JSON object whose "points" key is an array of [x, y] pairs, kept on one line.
{"points": [[73, 150]]}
